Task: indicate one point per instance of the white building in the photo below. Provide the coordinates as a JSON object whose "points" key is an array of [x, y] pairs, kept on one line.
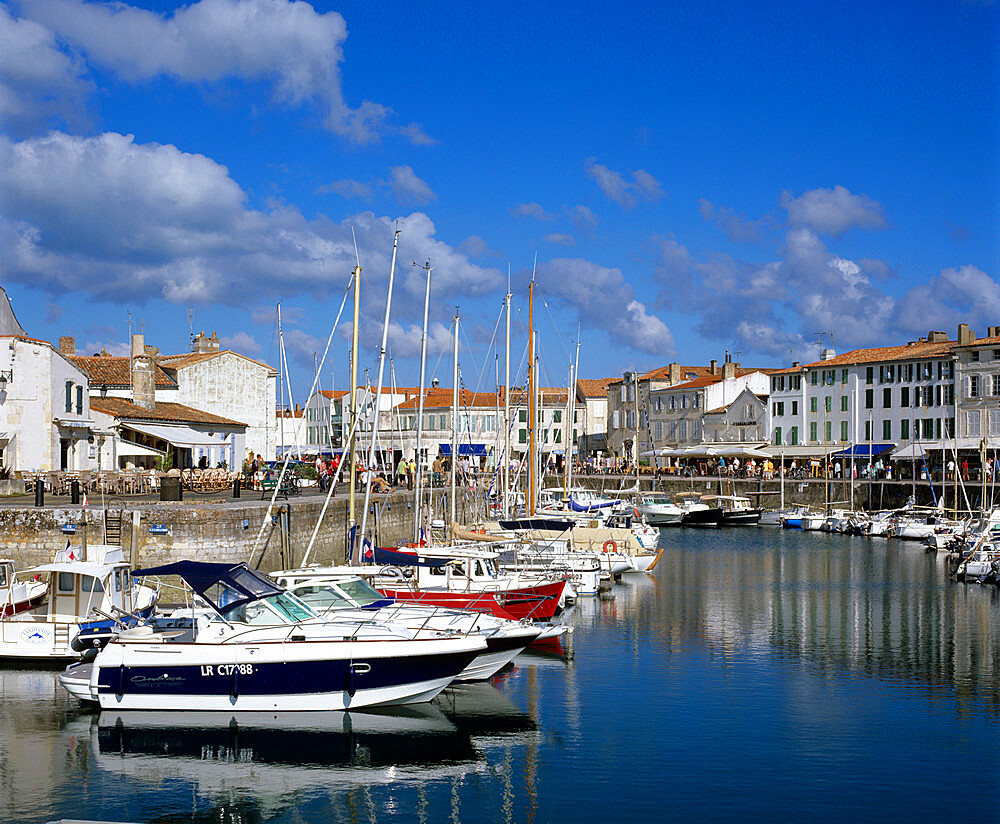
{"points": [[677, 414], [45, 418], [592, 393]]}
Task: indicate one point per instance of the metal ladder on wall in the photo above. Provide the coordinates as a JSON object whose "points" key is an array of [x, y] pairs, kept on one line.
{"points": [[114, 514]]}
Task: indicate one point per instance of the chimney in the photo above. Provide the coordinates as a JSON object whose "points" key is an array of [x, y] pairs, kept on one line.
{"points": [[935, 336], [201, 344], [67, 345], [713, 366], [827, 354], [143, 367], [728, 369], [675, 373], [298, 408], [795, 364], [965, 334]]}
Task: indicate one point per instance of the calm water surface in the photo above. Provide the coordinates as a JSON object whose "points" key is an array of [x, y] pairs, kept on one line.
{"points": [[759, 674]]}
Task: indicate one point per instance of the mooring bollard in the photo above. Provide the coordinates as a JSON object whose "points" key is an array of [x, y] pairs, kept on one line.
{"points": [[39, 493], [74, 492], [236, 488]]}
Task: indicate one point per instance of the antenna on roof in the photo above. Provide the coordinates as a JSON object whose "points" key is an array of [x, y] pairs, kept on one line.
{"points": [[190, 314]]}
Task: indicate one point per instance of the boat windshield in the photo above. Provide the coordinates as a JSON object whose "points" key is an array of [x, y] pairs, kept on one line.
{"points": [[283, 608], [361, 591]]}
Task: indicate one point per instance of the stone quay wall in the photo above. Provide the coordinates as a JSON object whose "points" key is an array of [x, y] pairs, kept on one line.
{"points": [[154, 533]]}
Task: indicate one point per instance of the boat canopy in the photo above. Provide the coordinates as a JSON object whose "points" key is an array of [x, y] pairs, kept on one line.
{"points": [[863, 450], [224, 586], [391, 556]]}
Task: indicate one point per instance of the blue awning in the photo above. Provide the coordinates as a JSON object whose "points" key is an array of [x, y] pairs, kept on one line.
{"points": [[864, 450], [480, 450]]}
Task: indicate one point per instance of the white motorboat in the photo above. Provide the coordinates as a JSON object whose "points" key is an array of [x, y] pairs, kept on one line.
{"points": [[18, 596], [697, 513], [266, 651], [658, 510], [349, 596], [100, 588]]}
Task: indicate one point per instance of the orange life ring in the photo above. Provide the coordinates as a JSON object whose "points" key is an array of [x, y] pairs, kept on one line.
{"points": [[610, 546]]}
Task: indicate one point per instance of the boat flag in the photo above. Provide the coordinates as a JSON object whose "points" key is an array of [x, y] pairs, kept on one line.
{"points": [[83, 504], [72, 556], [369, 553]]}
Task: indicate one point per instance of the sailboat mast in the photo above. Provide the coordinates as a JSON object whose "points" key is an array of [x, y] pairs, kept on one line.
{"points": [[352, 520], [378, 385], [568, 434], [506, 413], [420, 409], [532, 412], [454, 429], [281, 383]]}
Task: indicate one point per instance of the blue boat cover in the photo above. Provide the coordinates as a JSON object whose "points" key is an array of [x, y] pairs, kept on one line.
{"points": [[480, 450], [863, 450], [224, 586], [391, 556], [590, 507]]}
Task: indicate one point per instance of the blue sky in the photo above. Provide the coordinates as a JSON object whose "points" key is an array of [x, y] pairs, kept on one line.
{"points": [[692, 178]]}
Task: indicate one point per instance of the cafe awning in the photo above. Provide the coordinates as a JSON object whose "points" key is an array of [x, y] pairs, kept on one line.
{"points": [[919, 449], [127, 449], [474, 449], [183, 436], [863, 450]]}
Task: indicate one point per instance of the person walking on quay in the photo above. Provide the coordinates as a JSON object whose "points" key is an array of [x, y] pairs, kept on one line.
{"points": [[965, 470], [401, 472], [411, 473], [951, 470]]}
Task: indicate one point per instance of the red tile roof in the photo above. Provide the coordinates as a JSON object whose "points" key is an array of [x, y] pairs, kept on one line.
{"points": [[915, 350], [165, 412], [115, 371], [594, 387], [334, 394]]}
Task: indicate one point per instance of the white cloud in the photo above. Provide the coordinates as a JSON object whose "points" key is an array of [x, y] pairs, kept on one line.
{"points": [[407, 187], [290, 44], [603, 300], [582, 218], [404, 342], [475, 246], [833, 211], [735, 226], [560, 239], [40, 85], [240, 342], [626, 194], [961, 294], [177, 226], [533, 210], [348, 188]]}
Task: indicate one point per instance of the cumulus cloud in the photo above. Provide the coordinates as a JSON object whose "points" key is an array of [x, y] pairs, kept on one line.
{"points": [[475, 246], [616, 187], [833, 211], [582, 218], [602, 299], [407, 187], [404, 341], [240, 342], [533, 210], [560, 239], [289, 44], [348, 188], [961, 294], [735, 226], [41, 86], [176, 226], [775, 306]]}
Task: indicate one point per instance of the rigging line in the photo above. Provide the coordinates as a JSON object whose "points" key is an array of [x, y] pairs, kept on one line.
{"points": [[488, 348], [545, 303], [441, 354], [298, 425]]}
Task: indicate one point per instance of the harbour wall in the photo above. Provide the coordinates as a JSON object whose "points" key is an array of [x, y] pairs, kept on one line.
{"points": [[154, 533]]}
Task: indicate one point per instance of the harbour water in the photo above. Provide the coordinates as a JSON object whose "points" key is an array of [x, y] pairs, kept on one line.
{"points": [[759, 674]]}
